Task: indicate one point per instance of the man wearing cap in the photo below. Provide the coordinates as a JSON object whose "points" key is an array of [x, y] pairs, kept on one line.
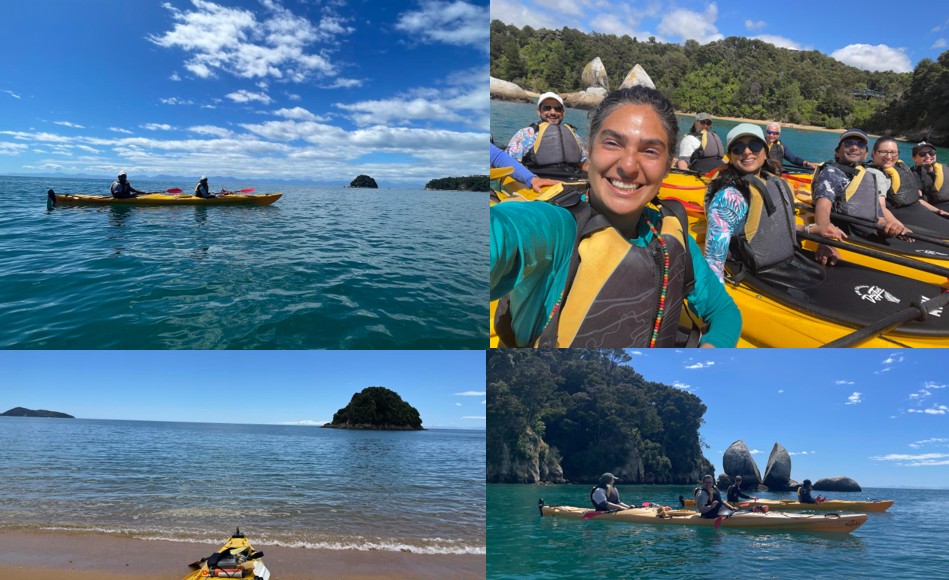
{"points": [[201, 189], [778, 151], [735, 493], [604, 495], [122, 188], [932, 176], [846, 187], [549, 148], [701, 150]]}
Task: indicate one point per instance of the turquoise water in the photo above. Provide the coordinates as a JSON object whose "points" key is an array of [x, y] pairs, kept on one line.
{"points": [[321, 268], [907, 541], [507, 118], [418, 491]]}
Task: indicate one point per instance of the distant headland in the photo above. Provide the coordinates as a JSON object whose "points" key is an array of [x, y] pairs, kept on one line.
{"points": [[377, 408], [22, 412], [468, 183]]}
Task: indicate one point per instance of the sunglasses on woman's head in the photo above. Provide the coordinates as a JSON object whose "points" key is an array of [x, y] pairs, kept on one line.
{"points": [[739, 147], [557, 108]]}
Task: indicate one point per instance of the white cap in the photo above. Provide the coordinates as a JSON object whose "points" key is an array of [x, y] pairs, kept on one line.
{"points": [[121, 173], [546, 96], [203, 178]]}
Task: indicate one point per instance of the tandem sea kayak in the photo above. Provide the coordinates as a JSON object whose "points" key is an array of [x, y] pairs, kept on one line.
{"points": [[236, 559], [153, 199], [835, 523], [829, 505]]}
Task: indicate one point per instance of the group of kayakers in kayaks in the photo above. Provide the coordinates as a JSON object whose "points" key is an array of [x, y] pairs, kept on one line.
{"points": [[604, 264], [122, 189]]}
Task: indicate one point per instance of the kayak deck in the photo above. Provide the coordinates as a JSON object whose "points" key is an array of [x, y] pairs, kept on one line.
{"points": [[236, 559], [153, 199], [829, 505], [834, 523]]}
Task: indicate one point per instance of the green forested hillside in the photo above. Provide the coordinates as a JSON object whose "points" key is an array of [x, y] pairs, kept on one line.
{"points": [[734, 77], [572, 414]]}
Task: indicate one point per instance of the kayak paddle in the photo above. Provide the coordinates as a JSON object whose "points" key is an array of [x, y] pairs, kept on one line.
{"points": [[892, 258], [917, 311], [930, 237]]}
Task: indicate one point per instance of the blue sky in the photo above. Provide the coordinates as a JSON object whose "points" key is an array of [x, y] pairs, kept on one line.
{"points": [[881, 417], [867, 35], [304, 89], [262, 387]]}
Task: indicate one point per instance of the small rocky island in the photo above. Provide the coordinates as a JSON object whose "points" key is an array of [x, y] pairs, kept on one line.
{"points": [[467, 183], [377, 408], [364, 181], [22, 412]]}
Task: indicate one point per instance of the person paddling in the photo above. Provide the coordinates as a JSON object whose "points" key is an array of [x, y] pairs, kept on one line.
{"points": [[735, 493], [122, 188], [201, 189], [709, 500], [604, 495], [804, 493], [933, 176]]}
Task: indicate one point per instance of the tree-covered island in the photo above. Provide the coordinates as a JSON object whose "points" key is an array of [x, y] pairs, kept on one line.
{"points": [[468, 183], [377, 408]]}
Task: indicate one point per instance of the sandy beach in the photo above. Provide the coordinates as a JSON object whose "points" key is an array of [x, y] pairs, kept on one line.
{"points": [[28, 555]]}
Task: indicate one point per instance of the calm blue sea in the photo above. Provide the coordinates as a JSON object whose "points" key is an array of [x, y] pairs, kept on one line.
{"points": [[507, 118], [907, 541], [321, 268], [419, 491]]}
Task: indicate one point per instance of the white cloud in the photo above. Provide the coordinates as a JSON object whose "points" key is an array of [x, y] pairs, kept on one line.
{"points": [[940, 43], [306, 423], [157, 126], [457, 404], [455, 22], [893, 358], [12, 148], [923, 460], [12, 94], [474, 418], [686, 24], [211, 130], [682, 386], [176, 101], [779, 41], [780, 391], [245, 96], [297, 114], [68, 124], [471, 394], [937, 441], [700, 365], [521, 14], [755, 24], [934, 410], [874, 58], [120, 130], [756, 452], [843, 382], [802, 452], [853, 399]]}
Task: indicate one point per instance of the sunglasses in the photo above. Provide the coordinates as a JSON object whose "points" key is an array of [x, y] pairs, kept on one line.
{"points": [[888, 153], [930, 153], [739, 148], [848, 143], [773, 132], [546, 108], [709, 123]]}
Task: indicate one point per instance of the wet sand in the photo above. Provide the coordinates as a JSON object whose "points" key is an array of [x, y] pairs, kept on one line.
{"points": [[29, 555]]}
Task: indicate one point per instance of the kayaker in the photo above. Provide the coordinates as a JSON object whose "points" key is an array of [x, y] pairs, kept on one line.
{"points": [[201, 189], [903, 196], [701, 149], [623, 282], [550, 147], [709, 500], [500, 158], [122, 188], [804, 493], [932, 175], [778, 151], [735, 493], [604, 495], [867, 201]]}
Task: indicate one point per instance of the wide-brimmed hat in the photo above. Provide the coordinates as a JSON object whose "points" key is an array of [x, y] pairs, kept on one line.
{"points": [[921, 145], [546, 96], [740, 130]]}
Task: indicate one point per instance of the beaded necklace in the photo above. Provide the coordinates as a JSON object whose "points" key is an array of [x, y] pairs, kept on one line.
{"points": [[665, 282]]}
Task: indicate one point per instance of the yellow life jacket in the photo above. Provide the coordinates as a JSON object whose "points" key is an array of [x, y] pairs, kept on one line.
{"points": [[904, 191]]}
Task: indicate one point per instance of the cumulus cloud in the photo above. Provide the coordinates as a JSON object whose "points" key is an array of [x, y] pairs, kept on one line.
{"points": [[211, 130], [878, 57], [755, 24], [934, 410], [687, 24], [245, 96], [682, 386], [522, 14], [922, 460], [120, 130], [457, 22], [12, 148], [779, 41], [239, 42], [801, 452], [176, 101], [700, 365], [157, 127], [843, 382], [853, 399], [68, 124], [936, 441]]}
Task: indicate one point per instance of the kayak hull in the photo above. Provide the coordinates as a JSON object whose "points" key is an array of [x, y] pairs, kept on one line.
{"points": [[830, 523], [829, 505], [236, 559], [162, 199]]}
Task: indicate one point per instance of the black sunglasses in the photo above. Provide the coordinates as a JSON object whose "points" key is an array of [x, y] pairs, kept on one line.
{"points": [[739, 147], [848, 143], [546, 108]]}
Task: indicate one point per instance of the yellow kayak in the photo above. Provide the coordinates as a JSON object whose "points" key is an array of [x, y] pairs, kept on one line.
{"points": [[829, 505], [835, 523], [236, 559], [161, 199]]}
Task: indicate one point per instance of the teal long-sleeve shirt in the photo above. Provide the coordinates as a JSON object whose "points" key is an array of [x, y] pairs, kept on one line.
{"points": [[531, 245]]}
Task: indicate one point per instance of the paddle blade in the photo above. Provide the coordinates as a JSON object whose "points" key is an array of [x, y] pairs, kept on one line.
{"points": [[173, 190], [248, 190], [718, 522], [592, 514]]}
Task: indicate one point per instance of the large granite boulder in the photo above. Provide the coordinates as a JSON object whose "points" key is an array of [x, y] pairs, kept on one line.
{"points": [[507, 91], [838, 483], [738, 461], [777, 475], [637, 77], [594, 75], [588, 99]]}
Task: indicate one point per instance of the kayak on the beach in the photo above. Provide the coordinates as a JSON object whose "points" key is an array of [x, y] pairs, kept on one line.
{"points": [[828, 505], [236, 559], [151, 199], [836, 523]]}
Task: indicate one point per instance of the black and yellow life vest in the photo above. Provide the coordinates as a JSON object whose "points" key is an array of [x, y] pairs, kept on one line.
{"points": [[768, 237], [613, 287], [859, 199], [710, 153], [555, 146], [776, 152], [904, 190], [935, 185]]}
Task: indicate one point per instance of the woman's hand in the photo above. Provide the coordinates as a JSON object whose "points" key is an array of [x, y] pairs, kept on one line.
{"points": [[827, 255]]}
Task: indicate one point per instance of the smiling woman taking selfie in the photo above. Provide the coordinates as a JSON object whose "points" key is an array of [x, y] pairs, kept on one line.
{"points": [[601, 267]]}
